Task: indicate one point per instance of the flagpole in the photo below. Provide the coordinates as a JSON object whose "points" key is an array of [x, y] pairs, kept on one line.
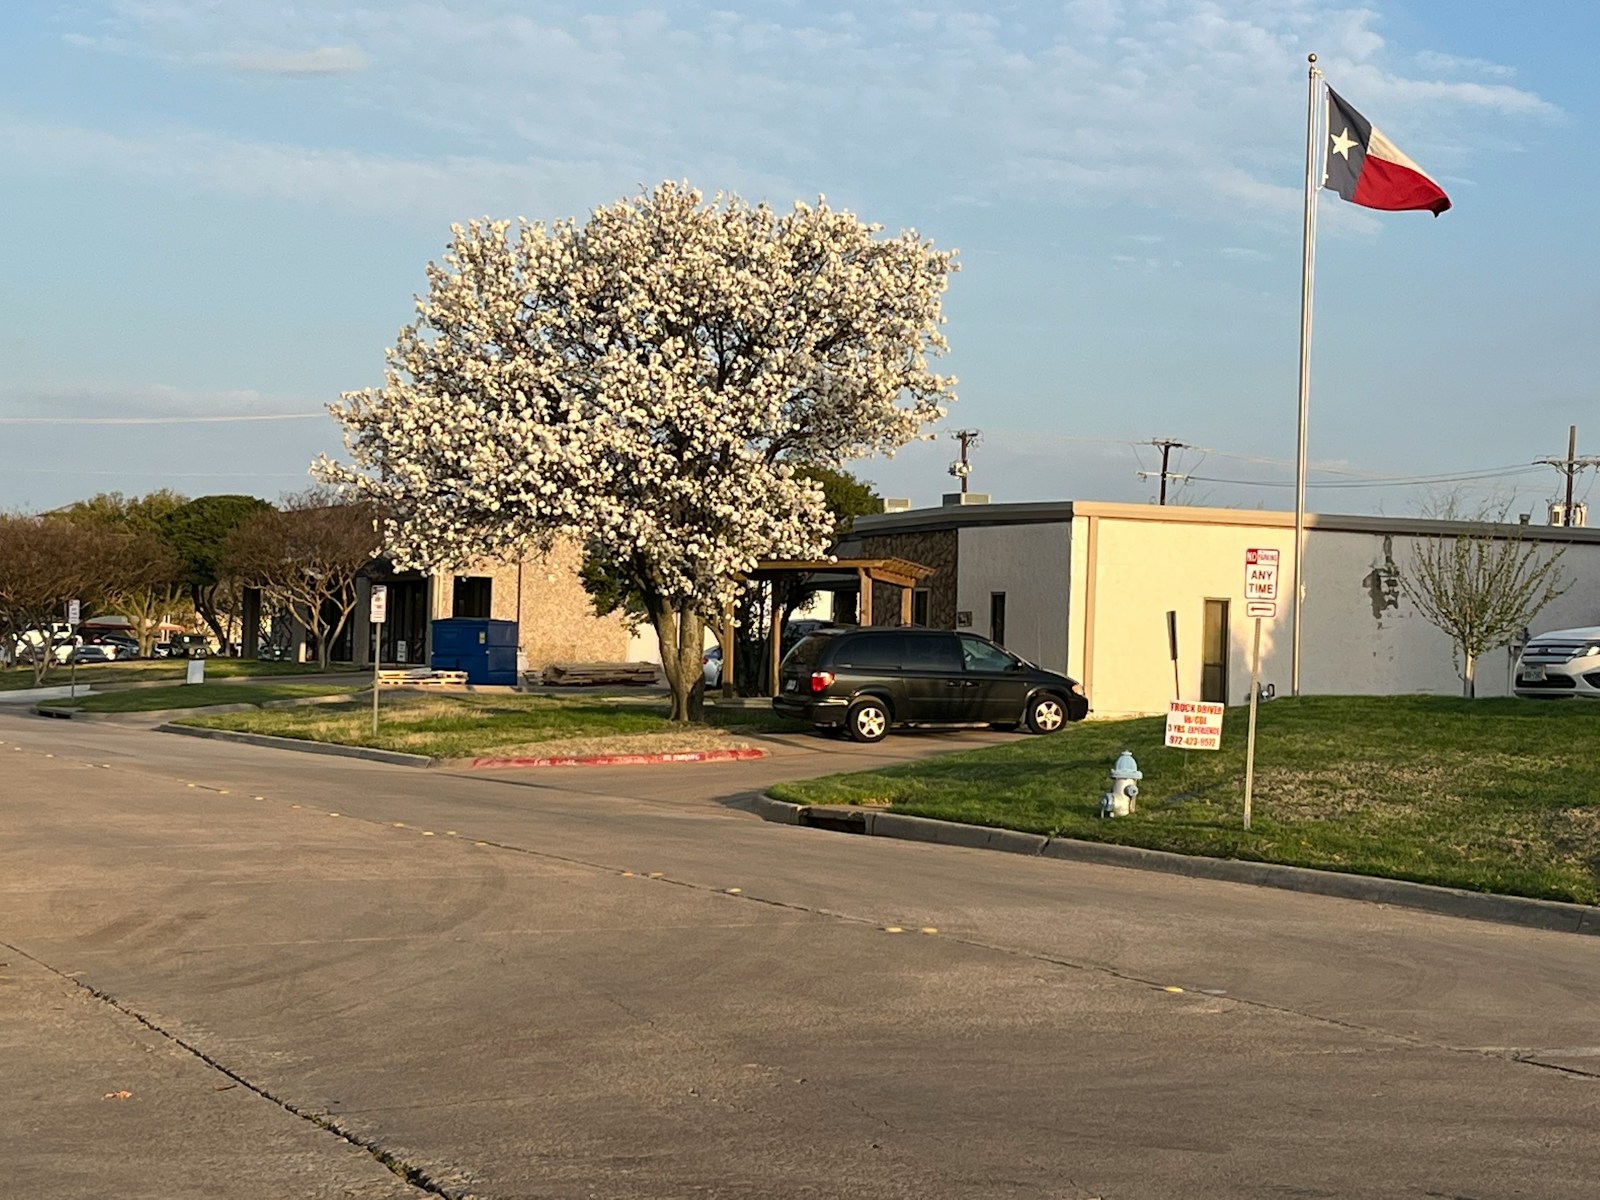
{"points": [[1309, 246]]}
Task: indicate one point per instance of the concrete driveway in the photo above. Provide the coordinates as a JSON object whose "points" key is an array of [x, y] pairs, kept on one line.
{"points": [[309, 974]]}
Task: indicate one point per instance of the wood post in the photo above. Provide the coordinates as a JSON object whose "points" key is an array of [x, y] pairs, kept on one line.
{"points": [[774, 641], [727, 651]]}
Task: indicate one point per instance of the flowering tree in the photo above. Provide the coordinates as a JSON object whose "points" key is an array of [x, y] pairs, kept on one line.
{"points": [[648, 382]]}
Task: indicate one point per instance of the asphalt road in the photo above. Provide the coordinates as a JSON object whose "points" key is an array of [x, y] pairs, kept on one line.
{"points": [[320, 977]]}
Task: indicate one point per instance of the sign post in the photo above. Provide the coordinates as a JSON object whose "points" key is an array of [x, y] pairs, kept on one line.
{"points": [[1260, 600], [1172, 650], [376, 613], [74, 612]]}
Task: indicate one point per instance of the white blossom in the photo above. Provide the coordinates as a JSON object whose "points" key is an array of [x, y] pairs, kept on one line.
{"points": [[645, 382]]}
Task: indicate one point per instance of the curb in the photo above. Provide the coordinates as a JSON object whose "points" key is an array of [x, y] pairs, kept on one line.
{"points": [[616, 760], [393, 757], [1554, 915], [135, 718]]}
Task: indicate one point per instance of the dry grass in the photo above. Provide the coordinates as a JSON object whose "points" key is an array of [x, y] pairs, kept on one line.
{"points": [[459, 726]]}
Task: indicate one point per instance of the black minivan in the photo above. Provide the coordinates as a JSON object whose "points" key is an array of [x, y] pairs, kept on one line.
{"points": [[868, 678]]}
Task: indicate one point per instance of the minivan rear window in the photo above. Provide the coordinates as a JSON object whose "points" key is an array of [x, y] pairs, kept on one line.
{"points": [[804, 656], [873, 650]]}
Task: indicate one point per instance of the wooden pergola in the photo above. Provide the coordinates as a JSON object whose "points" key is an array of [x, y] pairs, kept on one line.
{"points": [[895, 572]]}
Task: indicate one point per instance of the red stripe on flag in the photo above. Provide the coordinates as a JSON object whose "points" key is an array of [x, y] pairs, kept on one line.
{"points": [[1389, 185]]}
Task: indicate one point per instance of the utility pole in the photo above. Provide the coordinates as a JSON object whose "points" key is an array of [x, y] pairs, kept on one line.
{"points": [[1569, 467], [1166, 446], [961, 468]]}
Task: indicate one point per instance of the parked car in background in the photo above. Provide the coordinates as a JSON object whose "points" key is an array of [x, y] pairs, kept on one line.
{"points": [[186, 645], [32, 646], [711, 666], [869, 678], [1563, 662], [91, 652], [125, 646]]}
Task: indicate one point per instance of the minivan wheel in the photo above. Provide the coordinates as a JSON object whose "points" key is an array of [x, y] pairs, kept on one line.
{"points": [[1046, 714], [867, 721]]}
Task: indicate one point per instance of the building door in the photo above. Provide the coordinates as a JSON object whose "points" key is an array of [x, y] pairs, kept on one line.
{"points": [[1214, 654], [404, 636], [997, 617]]}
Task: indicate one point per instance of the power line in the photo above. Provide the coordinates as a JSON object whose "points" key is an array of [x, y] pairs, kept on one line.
{"points": [[1166, 446], [1569, 466], [1387, 481], [154, 420]]}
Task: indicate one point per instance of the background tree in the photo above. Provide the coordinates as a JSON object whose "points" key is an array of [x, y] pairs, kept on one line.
{"points": [[648, 383], [306, 555], [157, 588], [197, 532], [1481, 586], [45, 564], [142, 513]]}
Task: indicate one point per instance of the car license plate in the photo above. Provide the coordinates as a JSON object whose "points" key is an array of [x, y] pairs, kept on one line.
{"points": [[1533, 673], [791, 685]]}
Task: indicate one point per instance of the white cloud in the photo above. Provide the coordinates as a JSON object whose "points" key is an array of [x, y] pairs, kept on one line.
{"points": [[1182, 106], [324, 60], [1432, 60]]}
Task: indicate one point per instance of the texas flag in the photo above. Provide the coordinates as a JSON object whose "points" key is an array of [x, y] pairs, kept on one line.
{"points": [[1367, 168]]}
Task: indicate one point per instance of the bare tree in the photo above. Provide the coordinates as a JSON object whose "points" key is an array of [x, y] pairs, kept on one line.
{"points": [[151, 582], [45, 563], [1481, 586], [307, 556]]}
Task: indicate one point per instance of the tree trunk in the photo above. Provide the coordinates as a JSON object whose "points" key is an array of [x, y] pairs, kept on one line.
{"points": [[205, 603], [1469, 678], [681, 635]]}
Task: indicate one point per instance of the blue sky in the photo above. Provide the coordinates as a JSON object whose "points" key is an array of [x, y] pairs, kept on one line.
{"points": [[222, 210]]}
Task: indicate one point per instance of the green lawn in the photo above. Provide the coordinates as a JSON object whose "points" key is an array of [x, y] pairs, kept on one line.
{"points": [[1489, 795], [199, 695], [147, 670], [448, 725]]}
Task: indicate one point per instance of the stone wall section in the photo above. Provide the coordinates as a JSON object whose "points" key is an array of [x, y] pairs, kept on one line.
{"points": [[936, 549]]}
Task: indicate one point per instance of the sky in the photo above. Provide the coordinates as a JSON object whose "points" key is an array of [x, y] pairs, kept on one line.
{"points": [[219, 215]]}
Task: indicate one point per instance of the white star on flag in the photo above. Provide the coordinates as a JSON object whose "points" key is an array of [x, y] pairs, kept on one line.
{"points": [[1343, 142]]}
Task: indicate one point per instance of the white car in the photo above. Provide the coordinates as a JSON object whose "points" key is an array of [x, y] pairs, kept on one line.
{"points": [[1563, 662]]}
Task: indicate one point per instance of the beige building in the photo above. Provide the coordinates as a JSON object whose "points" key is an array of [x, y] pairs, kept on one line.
{"points": [[1086, 587], [543, 594]]}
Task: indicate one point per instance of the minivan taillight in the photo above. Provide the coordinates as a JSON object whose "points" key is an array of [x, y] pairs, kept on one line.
{"points": [[820, 680]]}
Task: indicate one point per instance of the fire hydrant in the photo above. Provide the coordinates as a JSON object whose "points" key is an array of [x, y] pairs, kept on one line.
{"points": [[1124, 794]]}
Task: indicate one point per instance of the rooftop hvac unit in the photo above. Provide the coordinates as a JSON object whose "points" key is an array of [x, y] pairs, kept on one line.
{"points": [[896, 504], [959, 498], [1580, 515]]}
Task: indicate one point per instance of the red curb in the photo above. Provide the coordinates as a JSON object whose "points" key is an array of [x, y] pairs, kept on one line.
{"points": [[619, 760]]}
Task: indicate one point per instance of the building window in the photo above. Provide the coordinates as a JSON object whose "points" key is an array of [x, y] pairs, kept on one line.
{"points": [[919, 606], [997, 617], [1214, 654], [471, 596]]}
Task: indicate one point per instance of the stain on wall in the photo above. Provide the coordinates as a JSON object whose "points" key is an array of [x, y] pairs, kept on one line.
{"points": [[1383, 583]]}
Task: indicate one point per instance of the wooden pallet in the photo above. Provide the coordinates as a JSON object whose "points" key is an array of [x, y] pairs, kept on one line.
{"points": [[629, 674], [422, 677]]}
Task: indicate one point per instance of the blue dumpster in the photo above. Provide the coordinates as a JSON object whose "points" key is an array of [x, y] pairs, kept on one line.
{"points": [[486, 650]]}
